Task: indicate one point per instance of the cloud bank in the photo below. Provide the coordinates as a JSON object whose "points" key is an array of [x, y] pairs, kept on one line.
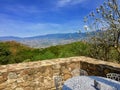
{"points": [[63, 3]]}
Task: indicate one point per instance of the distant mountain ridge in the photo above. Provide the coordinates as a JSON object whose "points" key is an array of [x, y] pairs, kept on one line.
{"points": [[9, 38], [47, 40], [50, 36], [59, 36]]}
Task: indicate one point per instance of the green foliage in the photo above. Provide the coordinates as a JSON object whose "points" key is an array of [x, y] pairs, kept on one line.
{"points": [[12, 52], [65, 53], [104, 53], [114, 55], [4, 54], [79, 48], [47, 55]]}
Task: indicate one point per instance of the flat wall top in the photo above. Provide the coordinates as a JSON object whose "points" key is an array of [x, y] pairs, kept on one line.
{"points": [[35, 64]]}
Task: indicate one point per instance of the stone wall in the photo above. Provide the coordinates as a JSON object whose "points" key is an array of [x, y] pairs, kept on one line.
{"points": [[40, 75]]}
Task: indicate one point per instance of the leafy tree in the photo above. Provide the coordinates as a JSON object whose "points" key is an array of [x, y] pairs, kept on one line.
{"points": [[47, 55], [4, 54], [105, 26]]}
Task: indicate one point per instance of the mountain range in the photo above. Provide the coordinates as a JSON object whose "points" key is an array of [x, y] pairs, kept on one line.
{"points": [[42, 41]]}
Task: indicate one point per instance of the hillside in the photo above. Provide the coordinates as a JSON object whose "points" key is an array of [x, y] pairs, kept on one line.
{"points": [[13, 52]]}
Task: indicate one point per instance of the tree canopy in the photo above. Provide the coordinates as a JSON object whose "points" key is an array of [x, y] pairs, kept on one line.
{"points": [[105, 24]]}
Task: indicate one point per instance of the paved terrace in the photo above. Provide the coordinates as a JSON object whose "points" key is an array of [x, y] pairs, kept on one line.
{"points": [[39, 75]]}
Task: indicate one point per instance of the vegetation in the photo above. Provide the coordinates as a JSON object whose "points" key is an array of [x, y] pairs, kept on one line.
{"points": [[13, 52], [105, 22]]}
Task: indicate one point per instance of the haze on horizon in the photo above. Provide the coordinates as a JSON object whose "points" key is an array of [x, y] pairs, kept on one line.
{"points": [[26, 18]]}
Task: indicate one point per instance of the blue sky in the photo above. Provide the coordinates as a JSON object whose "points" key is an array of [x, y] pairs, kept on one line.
{"points": [[25, 18]]}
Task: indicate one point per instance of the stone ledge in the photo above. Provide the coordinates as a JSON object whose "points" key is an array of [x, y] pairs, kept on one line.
{"points": [[35, 64]]}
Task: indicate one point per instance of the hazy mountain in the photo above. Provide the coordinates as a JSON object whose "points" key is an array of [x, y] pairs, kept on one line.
{"points": [[59, 36], [9, 38], [47, 40]]}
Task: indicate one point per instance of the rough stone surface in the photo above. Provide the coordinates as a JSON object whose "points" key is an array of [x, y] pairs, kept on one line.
{"points": [[40, 75]]}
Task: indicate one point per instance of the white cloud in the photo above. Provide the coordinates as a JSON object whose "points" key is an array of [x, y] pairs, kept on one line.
{"points": [[22, 9], [25, 29], [10, 27], [62, 3]]}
